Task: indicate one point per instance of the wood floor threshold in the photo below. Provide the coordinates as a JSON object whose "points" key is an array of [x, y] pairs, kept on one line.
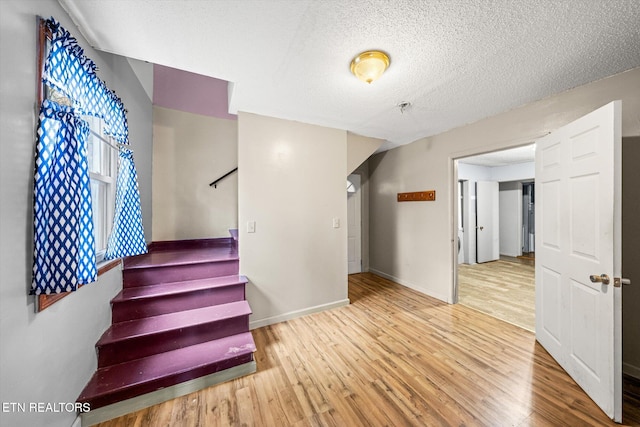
{"points": [[392, 357], [504, 320]]}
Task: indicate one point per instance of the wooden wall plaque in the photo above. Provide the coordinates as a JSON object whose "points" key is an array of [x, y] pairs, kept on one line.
{"points": [[417, 196]]}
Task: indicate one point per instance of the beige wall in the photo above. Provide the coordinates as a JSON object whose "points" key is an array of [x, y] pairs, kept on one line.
{"points": [[189, 152], [413, 243], [292, 183], [631, 255], [359, 148]]}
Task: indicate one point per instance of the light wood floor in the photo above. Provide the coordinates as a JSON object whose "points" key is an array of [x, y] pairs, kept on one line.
{"points": [[503, 289], [392, 357]]}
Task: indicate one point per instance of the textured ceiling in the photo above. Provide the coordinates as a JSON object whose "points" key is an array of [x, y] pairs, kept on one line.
{"points": [[504, 157], [456, 62]]}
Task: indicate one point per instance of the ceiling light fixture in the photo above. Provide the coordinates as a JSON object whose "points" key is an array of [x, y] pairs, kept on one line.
{"points": [[369, 65]]}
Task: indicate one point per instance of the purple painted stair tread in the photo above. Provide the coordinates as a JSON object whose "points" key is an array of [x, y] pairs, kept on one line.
{"points": [[153, 300], [173, 321], [144, 375], [180, 257], [174, 288]]}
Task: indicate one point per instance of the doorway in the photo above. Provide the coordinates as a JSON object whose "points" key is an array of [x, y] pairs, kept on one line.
{"points": [[528, 220], [495, 196], [631, 372], [354, 224]]}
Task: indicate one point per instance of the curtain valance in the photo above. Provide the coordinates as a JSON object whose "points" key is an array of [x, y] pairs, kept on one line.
{"points": [[74, 75]]}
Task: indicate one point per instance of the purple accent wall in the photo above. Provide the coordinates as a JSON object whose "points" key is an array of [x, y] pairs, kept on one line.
{"points": [[190, 92]]}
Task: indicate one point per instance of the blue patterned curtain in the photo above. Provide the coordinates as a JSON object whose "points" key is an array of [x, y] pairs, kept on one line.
{"points": [[127, 236], [64, 242]]}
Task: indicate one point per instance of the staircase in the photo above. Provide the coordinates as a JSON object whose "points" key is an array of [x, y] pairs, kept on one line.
{"points": [[180, 324]]}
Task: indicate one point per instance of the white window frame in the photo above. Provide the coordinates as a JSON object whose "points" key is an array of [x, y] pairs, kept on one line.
{"points": [[103, 219]]}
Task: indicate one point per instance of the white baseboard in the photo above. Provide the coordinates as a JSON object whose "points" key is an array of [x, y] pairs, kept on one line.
{"points": [[631, 370], [404, 283], [119, 409], [297, 313]]}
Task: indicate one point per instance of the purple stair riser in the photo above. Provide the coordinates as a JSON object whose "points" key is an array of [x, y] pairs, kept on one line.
{"points": [[177, 273], [182, 256], [191, 244], [125, 310], [121, 394], [146, 345]]}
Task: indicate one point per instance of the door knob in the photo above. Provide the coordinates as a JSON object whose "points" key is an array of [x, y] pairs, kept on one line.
{"points": [[603, 278]]}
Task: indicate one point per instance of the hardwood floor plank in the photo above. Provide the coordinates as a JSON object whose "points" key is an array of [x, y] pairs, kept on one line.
{"points": [[393, 357], [502, 289], [250, 413]]}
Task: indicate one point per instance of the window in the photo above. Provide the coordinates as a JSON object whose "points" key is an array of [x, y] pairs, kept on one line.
{"points": [[75, 159], [102, 164], [102, 160]]}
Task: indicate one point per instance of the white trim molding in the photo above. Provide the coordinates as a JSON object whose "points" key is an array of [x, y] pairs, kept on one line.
{"points": [[297, 313]]}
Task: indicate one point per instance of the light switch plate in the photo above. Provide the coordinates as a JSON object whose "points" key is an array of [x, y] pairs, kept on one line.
{"points": [[336, 222], [251, 226]]}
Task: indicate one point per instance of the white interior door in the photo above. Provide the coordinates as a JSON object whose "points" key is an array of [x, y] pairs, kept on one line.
{"points": [[469, 221], [354, 207], [488, 221], [578, 201], [460, 222]]}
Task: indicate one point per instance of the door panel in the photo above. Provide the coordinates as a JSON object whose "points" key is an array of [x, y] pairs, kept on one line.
{"points": [[488, 220], [578, 210], [354, 246], [550, 310]]}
